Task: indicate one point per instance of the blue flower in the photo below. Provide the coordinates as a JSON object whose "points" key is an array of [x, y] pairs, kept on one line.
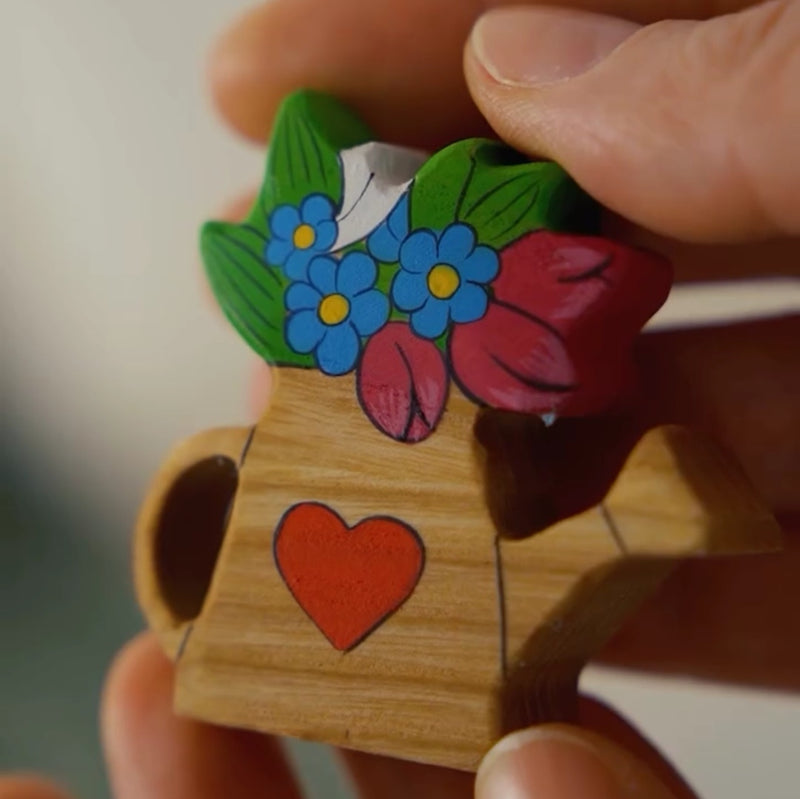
{"points": [[336, 307], [384, 242], [442, 278], [299, 234]]}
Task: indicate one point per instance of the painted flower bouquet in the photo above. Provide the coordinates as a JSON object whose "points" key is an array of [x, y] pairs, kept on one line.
{"points": [[474, 265]]}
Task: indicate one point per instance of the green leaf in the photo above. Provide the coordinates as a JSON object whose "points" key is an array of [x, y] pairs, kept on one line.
{"points": [[310, 130], [249, 292], [499, 193]]}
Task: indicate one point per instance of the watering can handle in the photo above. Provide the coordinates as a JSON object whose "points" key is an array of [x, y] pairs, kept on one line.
{"points": [[181, 527]]}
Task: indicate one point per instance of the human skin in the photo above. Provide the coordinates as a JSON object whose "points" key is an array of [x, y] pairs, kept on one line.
{"points": [[686, 130]]}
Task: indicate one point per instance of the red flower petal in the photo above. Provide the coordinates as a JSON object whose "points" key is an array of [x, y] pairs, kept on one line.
{"points": [[559, 334], [512, 361], [573, 281], [402, 383]]}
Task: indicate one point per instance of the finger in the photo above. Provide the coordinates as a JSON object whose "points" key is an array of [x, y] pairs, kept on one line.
{"points": [[605, 757], [557, 761], [729, 618], [260, 389], [724, 618], [709, 262], [153, 753], [394, 62], [739, 383], [23, 786], [386, 778], [597, 717], [687, 128], [238, 208], [398, 62], [721, 619]]}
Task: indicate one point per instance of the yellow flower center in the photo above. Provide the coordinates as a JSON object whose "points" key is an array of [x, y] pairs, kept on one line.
{"points": [[304, 236], [334, 309], [443, 281]]}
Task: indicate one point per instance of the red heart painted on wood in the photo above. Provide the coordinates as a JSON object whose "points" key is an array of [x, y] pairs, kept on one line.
{"points": [[348, 580]]}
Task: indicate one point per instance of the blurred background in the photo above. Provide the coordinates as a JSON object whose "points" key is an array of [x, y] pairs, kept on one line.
{"points": [[110, 352]]}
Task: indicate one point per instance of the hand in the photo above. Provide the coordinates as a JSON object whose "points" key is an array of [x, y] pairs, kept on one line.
{"points": [[152, 754], [685, 129]]}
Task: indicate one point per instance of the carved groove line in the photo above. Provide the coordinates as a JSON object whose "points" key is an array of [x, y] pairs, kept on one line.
{"points": [[612, 528], [501, 606]]}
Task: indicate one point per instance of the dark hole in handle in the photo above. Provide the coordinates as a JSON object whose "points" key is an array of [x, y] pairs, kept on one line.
{"points": [[190, 533], [535, 475]]}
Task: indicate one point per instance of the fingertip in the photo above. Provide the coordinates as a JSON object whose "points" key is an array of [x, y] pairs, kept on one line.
{"points": [[29, 786], [234, 67], [514, 113], [659, 123], [395, 66], [558, 761], [608, 724], [140, 677], [536, 47], [140, 661], [152, 751], [237, 209], [380, 776], [260, 389]]}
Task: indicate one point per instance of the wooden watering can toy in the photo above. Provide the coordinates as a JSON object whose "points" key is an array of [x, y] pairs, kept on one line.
{"points": [[403, 556]]}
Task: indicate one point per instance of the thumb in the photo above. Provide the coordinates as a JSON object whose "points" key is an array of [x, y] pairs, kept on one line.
{"points": [[688, 128], [555, 761]]}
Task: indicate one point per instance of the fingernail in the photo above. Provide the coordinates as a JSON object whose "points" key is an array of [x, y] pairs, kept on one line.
{"points": [[535, 46], [545, 764]]}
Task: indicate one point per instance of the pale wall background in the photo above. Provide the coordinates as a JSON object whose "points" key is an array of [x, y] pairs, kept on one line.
{"points": [[111, 158]]}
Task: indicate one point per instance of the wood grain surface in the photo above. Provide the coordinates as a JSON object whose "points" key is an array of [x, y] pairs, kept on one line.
{"points": [[495, 633]]}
